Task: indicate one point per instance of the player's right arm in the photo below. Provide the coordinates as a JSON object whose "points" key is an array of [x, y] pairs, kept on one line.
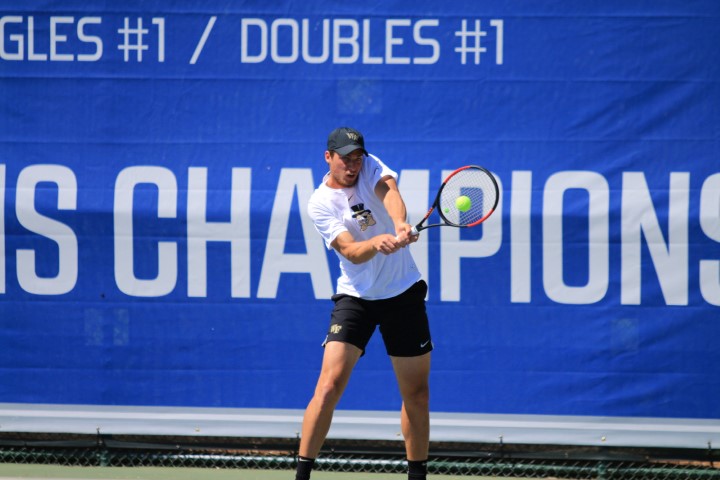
{"points": [[330, 226], [362, 251]]}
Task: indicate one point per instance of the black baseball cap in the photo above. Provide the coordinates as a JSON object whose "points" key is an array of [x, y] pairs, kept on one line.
{"points": [[344, 140]]}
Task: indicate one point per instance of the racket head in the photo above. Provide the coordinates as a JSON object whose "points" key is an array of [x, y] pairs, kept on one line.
{"points": [[478, 185]]}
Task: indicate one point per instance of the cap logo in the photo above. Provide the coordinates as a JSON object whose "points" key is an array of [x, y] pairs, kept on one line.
{"points": [[352, 136]]}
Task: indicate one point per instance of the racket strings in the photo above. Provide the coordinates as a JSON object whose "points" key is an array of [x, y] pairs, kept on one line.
{"points": [[478, 186]]}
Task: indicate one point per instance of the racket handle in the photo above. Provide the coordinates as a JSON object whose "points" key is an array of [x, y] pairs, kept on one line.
{"points": [[413, 233]]}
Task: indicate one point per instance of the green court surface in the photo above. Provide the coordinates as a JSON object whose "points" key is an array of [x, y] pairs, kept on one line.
{"points": [[10, 471]]}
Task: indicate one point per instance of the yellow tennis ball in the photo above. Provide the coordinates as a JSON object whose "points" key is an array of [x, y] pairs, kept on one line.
{"points": [[463, 203]]}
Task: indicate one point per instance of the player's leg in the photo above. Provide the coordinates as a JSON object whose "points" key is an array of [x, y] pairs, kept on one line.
{"points": [[412, 374], [345, 343], [339, 360], [406, 333]]}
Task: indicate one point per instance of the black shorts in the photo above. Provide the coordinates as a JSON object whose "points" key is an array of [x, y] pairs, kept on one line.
{"points": [[402, 319]]}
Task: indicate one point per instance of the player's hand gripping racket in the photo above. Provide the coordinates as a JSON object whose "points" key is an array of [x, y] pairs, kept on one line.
{"points": [[466, 198]]}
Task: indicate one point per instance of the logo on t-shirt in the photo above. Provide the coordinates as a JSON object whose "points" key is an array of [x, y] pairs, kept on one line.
{"points": [[362, 216]]}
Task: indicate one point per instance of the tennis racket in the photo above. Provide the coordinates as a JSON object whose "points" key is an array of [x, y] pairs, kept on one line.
{"points": [[466, 198]]}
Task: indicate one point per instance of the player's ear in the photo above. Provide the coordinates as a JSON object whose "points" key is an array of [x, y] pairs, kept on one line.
{"points": [[328, 156]]}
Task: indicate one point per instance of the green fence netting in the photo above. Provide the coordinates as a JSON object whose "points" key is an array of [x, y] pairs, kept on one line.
{"points": [[526, 461]]}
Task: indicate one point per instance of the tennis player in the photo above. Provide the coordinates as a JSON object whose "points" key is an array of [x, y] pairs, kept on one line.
{"points": [[359, 212]]}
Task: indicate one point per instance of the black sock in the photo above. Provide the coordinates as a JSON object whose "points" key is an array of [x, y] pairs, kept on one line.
{"points": [[417, 470], [304, 468]]}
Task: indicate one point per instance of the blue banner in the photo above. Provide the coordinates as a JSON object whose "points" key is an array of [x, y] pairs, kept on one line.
{"points": [[156, 159]]}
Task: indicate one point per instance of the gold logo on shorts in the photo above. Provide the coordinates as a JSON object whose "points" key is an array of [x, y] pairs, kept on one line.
{"points": [[335, 328]]}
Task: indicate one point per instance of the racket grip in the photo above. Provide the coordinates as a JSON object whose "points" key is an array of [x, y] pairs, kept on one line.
{"points": [[413, 233]]}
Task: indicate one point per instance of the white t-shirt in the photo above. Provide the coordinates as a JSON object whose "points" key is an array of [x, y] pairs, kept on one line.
{"points": [[359, 211]]}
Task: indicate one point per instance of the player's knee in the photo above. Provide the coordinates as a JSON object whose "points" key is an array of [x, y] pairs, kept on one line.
{"points": [[418, 396], [328, 393]]}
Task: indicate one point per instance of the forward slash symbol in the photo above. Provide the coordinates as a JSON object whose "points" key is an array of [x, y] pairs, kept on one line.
{"points": [[203, 39]]}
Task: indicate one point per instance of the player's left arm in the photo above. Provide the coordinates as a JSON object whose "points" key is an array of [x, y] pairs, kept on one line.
{"points": [[387, 191]]}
